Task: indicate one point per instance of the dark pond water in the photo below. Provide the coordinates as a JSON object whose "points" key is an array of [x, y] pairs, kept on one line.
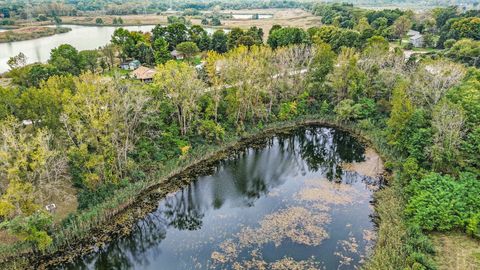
{"points": [[287, 204]]}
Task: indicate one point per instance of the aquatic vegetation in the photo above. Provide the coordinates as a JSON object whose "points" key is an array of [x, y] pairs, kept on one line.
{"points": [[327, 192], [295, 223], [371, 167]]}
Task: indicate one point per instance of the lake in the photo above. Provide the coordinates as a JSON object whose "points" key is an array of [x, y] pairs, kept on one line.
{"points": [[299, 200], [81, 37]]}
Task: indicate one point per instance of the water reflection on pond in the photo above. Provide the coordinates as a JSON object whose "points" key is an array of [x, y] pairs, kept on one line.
{"points": [[288, 205]]}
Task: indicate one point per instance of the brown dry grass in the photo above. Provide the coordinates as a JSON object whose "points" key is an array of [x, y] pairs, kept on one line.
{"points": [[284, 17], [26, 33], [456, 251]]}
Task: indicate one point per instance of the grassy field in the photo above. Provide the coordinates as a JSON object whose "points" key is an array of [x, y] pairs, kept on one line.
{"points": [[456, 251], [32, 32], [284, 17]]}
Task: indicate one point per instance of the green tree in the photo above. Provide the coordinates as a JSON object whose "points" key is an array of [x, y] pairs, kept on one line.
{"points": [[402, 111], [160, 51], [180, 82], [466, 51], [466, 28], [99, 21], [346, 79], [66, 59], [219, 41], [233, 36], [189, 49], [89, 59], [174, 34], [321, 65], [8, 102], [287, 36], [401, 27]]}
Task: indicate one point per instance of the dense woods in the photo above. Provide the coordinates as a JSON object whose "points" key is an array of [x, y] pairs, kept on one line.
{"points": [[73, 128]]}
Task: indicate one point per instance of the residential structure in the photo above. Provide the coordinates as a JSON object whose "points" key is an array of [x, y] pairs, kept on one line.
{"points": [[415, 38], [144, 74], [177, 55], [130, 65]]}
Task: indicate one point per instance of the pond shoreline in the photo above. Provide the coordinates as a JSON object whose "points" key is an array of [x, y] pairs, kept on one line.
{"points": [[30, 33], [121, 223]]}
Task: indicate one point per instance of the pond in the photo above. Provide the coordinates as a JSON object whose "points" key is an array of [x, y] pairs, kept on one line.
{"points": [[81, 37], [300, 199]]}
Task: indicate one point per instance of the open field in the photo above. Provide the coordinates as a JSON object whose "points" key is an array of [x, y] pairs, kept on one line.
{"points": [[456, 251], [284, 17], [32, 32]]}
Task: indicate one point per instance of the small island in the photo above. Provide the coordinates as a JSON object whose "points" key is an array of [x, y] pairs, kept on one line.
{"points": [[33, 32]]}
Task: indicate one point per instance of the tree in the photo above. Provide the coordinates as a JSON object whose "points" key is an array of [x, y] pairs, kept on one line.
{"points": [[433, 79], [180, 83], [44, 105], [219, 41], [37, 73], [233, 36], [448, 122], [200, 37], [109, 53], [17, 61], [188, 48], [321, 65], [89, 59], [100, 121], [29, 166], [8, 102], [66, 60], [401, 27], [99, 21], [174, 34], [466, 51], [287, 36], [466, 28], [402, 111], [346, 79], [160, 51], [216, 21]]}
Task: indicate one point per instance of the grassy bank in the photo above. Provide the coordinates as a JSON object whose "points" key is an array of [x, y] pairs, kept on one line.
{"points": [[27, 33], [116, 216]]}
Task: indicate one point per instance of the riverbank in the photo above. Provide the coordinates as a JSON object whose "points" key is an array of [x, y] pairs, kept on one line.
{"points": [[28, 33], [117, 216]]}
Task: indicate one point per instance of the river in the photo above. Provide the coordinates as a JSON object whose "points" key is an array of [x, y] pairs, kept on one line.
{"points": [[81, 37], [300, 200]]}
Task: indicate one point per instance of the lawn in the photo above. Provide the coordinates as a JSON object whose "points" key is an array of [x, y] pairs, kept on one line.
{"points": [[456, 251]]}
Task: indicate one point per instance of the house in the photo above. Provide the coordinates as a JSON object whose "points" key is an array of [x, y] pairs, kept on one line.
{"points": [[131, 65], [144, 74], [415, 38], [177, 55]]}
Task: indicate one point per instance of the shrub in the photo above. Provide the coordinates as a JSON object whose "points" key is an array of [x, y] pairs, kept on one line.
{"points": [[408, 46], [441, 203]]}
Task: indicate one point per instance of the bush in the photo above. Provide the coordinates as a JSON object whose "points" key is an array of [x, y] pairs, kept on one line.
{"points": [[408, 46], [449, 43], [441, 203], [473, 226], [211, 131]]}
